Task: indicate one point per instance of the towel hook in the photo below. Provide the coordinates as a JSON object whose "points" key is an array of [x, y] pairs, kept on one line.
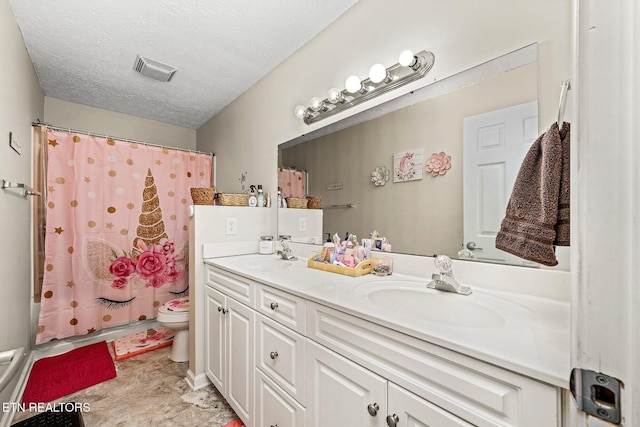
{"points": [[566, 85]]}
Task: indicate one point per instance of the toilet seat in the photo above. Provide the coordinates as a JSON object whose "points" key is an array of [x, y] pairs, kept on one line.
{"points": [[175, 310]]}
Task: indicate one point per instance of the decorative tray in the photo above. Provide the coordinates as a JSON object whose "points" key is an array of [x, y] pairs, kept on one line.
{"points": [[361, 269]]}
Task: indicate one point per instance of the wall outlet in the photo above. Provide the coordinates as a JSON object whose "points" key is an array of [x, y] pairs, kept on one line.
{"points": [[231, 226], [302, 224]]}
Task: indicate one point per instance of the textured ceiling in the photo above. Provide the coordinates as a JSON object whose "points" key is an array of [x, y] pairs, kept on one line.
{"points": [[83, 51]]}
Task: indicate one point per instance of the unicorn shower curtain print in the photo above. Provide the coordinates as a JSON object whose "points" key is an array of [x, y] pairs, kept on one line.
{"points": [[116, 231]]}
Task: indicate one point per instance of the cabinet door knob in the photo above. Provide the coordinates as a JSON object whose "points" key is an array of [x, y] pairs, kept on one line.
{"points": [[273, 305], [225, 311], [273, 354], [273, 425], [219, 308], [373, 409], [392, 420]]}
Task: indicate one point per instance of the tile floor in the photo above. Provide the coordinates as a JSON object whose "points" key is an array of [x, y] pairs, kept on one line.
{"points": [[149, 390]]}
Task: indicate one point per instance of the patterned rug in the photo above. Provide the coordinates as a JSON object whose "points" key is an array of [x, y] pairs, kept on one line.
{"points": [[142, 342]]}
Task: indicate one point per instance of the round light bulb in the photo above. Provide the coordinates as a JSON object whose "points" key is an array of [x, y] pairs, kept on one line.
{"points": [[334, 96], [353, 84], [377, 73], [316, 104], [300, 111], [407, 59]]}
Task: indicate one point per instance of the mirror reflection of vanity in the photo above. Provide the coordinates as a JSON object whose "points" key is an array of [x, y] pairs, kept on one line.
{"points": [[424, 216]]}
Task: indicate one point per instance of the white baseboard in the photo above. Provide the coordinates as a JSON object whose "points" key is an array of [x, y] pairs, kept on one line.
{"points": [[196, 382]]}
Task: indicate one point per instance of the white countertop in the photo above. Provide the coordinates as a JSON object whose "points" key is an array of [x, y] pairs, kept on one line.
{"points": [[526, 334]]}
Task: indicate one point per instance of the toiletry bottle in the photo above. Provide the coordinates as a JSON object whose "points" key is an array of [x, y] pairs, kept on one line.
{"points": [[329, 252], [253, 200], [260, 196], [279, 198]]}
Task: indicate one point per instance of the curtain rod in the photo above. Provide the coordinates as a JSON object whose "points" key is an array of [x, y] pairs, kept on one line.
{"points": [[81, 132]]}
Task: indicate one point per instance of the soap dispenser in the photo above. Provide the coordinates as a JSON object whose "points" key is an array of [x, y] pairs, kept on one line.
{"points": [[260, 196], [253, 200]]}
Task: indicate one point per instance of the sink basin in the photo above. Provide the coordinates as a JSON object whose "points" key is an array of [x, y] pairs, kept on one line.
{"points": [[269, 264], [413, 298]]}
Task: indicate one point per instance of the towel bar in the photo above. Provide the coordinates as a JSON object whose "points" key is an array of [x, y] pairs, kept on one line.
{"points": [[26, 189], [566, 85], [347, 205]]}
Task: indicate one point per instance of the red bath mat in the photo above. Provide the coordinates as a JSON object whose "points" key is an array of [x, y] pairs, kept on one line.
{"points": [[57, 376], [142, 342]]}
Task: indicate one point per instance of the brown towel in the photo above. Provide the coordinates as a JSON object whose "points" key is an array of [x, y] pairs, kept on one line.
{"points": [[537, 216], [562, 226]]}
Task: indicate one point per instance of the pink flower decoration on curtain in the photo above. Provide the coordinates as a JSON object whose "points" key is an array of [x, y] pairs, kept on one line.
{"points": [[120, 282], [438, 164], [156, 264], [151, 264], [122, 267]]}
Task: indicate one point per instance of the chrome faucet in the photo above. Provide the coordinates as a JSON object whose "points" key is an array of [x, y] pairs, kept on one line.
{"points": [[285, 253], [444, 281]]}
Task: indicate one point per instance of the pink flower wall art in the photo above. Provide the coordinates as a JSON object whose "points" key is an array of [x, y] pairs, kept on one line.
{"points": [[407, 165], [438, 164]]}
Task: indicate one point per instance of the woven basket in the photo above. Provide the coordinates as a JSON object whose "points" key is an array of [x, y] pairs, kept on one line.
{"points": [[233, 199], [296, 202], [314, 202], [202, 195]]}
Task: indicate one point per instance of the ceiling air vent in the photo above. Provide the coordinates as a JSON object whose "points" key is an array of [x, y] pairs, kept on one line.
{"points": [[154, 69]]}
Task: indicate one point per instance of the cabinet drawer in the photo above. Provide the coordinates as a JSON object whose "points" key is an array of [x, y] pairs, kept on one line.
{"points": [[274, 407], [412, 410], [235, 286], [478, 392], [341, 393], [280, 354], [282, 307]]}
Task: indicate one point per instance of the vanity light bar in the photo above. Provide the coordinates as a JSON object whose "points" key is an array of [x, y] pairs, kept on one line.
{"points": [[410, 68]]}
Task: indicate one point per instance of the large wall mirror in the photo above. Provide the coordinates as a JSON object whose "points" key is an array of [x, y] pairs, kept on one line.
{"points": [[481, 109]]}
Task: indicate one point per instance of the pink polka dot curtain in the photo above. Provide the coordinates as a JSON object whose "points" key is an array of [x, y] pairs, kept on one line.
{"points": [[291, 182], [116, 237]]}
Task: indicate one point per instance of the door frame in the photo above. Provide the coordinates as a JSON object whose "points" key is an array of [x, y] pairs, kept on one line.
{"points": [[606, 199]]}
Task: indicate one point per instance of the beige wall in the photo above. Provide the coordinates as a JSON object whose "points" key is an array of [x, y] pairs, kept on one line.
{"points": [[461, 34], [419, 217], [84, 118], [21, 101]]}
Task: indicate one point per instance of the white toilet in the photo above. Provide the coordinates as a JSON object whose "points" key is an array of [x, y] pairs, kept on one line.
{"points": [[174, 314]]}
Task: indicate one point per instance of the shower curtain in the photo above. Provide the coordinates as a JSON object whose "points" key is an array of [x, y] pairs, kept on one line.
{"points": [[116, 231], [291, 182]]}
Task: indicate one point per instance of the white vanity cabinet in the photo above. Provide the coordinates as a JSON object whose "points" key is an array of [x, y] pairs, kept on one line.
{"points": [[229, 341], [280, 356], [342, 392], [406, 409], [283, 360], [274, 407], [446, 387]]}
